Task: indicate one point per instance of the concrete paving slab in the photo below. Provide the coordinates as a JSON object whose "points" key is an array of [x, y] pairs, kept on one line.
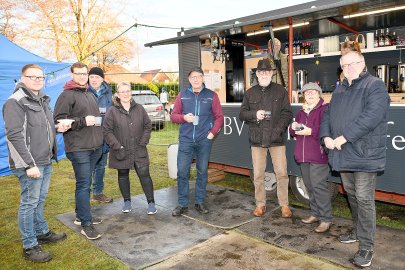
{"points": [[138, 239], [294, 235], [228, 208], [232, 250]]}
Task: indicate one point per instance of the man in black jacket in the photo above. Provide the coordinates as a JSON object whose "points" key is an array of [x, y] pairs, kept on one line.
{"points": [[31, 145], [267, 111], [354, 129], [83, 142]]}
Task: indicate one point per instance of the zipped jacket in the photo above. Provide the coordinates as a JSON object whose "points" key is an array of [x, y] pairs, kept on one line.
{"points": [[206, 106], [76, 102], [273, 98], [308, 148], [30, 132], [359, 112]]}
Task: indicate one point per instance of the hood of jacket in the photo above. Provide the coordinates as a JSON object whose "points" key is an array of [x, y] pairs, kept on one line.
{"points": [[74, 85], [30, 94]]}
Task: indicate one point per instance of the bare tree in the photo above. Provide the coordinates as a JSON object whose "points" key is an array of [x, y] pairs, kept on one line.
{"points": [[7, 27], [75, 29]]}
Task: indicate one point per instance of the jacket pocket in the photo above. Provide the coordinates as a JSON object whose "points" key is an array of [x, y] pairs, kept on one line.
{"points": [[254, 105], [141, 151], [120, 154]]}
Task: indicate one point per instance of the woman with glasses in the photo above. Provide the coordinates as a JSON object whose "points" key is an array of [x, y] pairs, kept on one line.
{"points": [[354, 129], [312, 158], [127, 129]]}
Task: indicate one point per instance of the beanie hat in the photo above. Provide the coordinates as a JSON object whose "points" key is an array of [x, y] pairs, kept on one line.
{"points": [[97, 71], [264, 64], [311, 86]]}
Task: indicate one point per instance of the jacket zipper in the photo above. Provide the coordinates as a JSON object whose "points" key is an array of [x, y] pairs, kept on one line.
{"points": [[47, 129], [195, 111]]}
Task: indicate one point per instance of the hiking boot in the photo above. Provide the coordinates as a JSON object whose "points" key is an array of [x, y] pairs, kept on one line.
{"points": [[323, 227], [286, 211], [95, 221], [151, 209], [36, 254], [348, 238], [259, 211], [51, 237], [178, 211], [90, 232], [201, 208], [127, 207], [101, 198], [363, 258], [310, 220]]}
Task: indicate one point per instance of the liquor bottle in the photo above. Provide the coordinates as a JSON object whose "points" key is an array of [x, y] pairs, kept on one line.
{"points": [[387, 41], [286, 48], [294, 47], [376, 42], [298, 47], [304, 44], [393, 39], [381, 40], [307, 48]]}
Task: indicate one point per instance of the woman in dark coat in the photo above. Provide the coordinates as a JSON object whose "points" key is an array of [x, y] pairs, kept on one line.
{"points": [[127, 129]]}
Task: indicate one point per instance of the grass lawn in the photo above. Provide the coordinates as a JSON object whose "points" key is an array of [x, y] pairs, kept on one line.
{"points": [[77, 252]]}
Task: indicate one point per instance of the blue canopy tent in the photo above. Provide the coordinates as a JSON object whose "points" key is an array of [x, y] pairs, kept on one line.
{"points": [[12, 59]]}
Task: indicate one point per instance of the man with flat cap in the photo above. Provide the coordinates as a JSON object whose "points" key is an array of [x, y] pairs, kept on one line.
{"points": [[267, 111]]}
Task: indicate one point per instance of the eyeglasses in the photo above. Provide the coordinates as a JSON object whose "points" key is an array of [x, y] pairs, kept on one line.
{"points": [[35, 78], [310, 92], [263, 72], [81, 74], [196, 77], [353, 64], [124, 92]]}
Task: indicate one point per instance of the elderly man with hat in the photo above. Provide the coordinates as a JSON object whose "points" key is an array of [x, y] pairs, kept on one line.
{"points": [[267, 111], [312, 157], [103, 93]]}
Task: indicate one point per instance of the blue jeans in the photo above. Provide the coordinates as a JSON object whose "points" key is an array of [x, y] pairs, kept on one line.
{"points": [[31, 221], [187, 150], [98, 175], [83, 163], [360, 188]]}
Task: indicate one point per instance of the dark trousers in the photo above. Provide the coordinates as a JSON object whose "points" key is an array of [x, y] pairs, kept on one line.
{"points": [[315, 176], [145, 179], [360, 188]]}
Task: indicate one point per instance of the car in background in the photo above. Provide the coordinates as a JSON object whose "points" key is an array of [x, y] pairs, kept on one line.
{"points": [[152, 105]]}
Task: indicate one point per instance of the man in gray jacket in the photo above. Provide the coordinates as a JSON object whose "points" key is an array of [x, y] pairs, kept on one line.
{"points": [[31, 145]]}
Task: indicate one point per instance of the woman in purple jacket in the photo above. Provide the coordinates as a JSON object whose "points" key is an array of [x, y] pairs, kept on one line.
{"points": [[311, 156]]}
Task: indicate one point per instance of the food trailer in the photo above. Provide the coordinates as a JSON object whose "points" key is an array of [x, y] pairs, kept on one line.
{"points": [[310, 34]]}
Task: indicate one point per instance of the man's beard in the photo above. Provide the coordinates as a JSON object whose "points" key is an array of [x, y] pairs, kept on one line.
{"points": [[264, 82]]}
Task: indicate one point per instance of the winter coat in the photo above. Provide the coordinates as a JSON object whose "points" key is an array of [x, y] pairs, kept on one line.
{"points": [[76, 102], [308, 148], [30, 132], [206, 106], [104, 100], [359, 112], [274, 98], [127, 133]]}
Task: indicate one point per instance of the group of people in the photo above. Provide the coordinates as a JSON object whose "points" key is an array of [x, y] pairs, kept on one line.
{"points": [[349, 133]]}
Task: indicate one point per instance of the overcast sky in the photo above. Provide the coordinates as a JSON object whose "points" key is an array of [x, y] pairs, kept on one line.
{"points": [[183, 13]]}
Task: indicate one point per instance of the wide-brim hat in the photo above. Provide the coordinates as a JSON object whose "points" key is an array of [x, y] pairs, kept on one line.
{"points": [[264, 64]]}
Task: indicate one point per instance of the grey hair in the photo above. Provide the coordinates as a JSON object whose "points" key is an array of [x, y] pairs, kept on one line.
{"points": [[121, 84], [359, 54]]}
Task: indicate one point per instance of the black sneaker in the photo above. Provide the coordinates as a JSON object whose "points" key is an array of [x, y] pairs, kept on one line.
{"points": [[363, 258], [36, 254], [95, 221], [200, 207], [90, 232], [348, 238], [51, 237], [178, 211]]}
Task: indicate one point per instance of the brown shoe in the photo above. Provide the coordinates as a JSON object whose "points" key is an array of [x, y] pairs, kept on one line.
{"points": [[323, 227], [259, 211], [102, 199], [285, 211], [310, 220]]}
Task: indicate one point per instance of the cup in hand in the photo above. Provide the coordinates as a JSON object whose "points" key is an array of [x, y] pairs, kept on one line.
{"points": [[195, 120], [298, 127], [103, 110], [267, 115], [98, 121]]}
